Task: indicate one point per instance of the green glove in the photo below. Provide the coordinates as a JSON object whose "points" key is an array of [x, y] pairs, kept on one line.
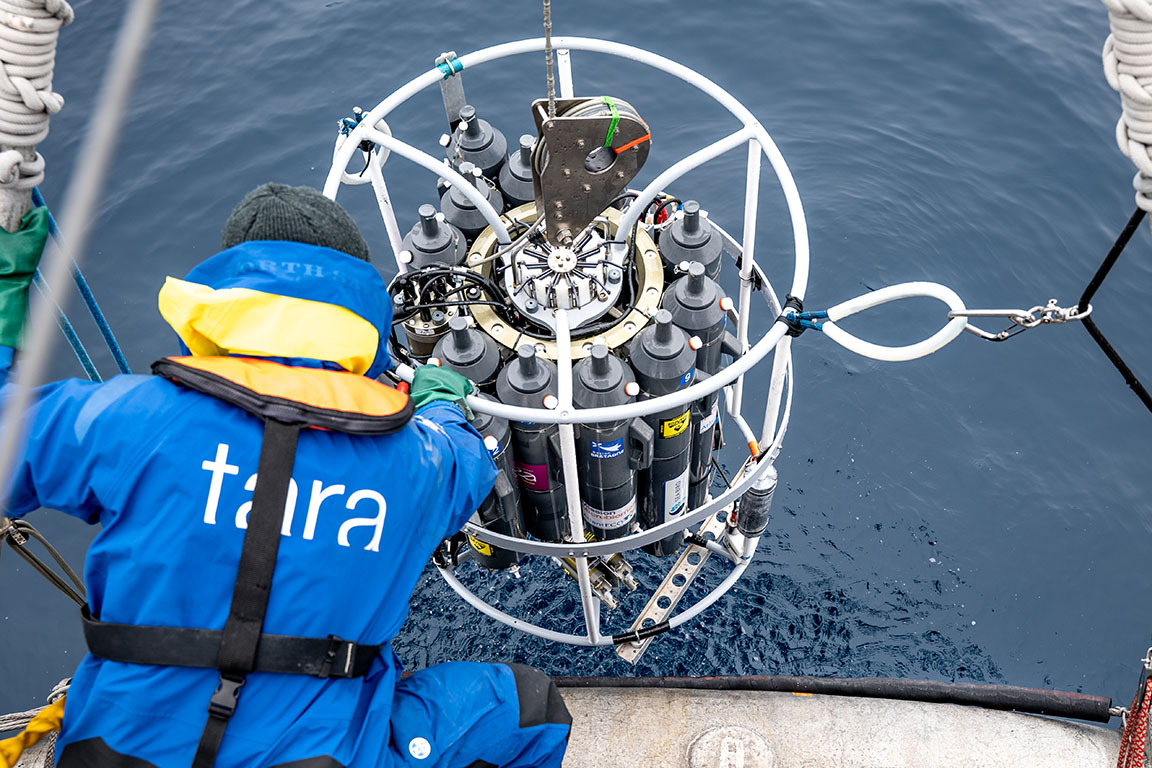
{"points": [[20, 253], [433, 382]]}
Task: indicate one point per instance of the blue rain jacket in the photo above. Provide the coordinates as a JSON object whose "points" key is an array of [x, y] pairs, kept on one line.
{"points": [[168, 473]]}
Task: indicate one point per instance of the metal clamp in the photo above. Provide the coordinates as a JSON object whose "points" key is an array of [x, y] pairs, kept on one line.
{"points": [[345, 126], [1022, 319], [8, 530]]}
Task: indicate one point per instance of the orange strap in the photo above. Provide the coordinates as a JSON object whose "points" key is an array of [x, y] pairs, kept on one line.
{"points": [[331, 390], [633, 143]]}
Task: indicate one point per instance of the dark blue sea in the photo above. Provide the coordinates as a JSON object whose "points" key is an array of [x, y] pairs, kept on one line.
{"points": [[983, 514]]}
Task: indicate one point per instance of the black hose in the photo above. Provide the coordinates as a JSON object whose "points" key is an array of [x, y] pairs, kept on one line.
{"points": [[1079, 706]]}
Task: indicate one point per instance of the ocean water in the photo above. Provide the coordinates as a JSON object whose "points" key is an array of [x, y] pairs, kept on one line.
{"points": [[979, 515]]}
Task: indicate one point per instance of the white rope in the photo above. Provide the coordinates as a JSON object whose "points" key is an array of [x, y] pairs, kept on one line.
{"points": [[17, 721], [1128, 67], [953, 328], [28, 32]]}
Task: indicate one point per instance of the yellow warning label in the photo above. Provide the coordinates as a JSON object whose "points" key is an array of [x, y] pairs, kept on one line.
{"points": [[481, 547], [676, 425]]}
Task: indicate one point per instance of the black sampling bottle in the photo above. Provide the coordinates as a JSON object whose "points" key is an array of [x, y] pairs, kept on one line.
{"points": [[690, 237], [699, 307], [461, 212], [476, 141], [432, 241], [664, 361], [516, 175], [528, 380], [608, 453], [501, 511], [471, 353]]}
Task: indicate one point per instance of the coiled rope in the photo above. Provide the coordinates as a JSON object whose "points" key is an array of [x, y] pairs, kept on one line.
{"points": [[1128, 67], [28, 32]]}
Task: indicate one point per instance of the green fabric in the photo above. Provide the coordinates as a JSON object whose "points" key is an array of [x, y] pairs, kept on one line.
{"points": [[433, 382], [20, 253]]}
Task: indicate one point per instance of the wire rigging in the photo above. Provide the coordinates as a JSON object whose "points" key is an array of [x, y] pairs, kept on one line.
{"points": [[1090, 324]]}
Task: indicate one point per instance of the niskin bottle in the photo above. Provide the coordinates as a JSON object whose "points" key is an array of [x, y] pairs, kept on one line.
{"points": [[470, 353], [501, 511], [664, 362], [699, 306], [459, 210], [690, 238], [528, 381], [433, 241], [516, 175], [609, 453], [476, 141]]}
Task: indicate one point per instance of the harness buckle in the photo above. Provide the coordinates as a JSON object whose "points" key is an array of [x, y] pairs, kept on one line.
{"points": [[335, 645], [223, 702]]}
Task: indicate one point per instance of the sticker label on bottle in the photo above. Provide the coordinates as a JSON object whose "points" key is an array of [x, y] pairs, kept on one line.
{"points": [[609, 519], [534, 477], [609, 450], [479, 546], [686, 379], [676, 495], [709, 421], [676, 425], [495, 450]]}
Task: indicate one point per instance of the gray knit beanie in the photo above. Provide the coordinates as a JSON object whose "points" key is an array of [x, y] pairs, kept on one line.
{"points": [[300, 214]]}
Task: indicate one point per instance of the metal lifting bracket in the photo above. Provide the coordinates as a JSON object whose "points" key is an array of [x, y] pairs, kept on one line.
{"points": [[655, 615], [581, 163]]}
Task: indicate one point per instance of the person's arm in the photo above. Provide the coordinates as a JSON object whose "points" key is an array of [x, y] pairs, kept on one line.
{"points": [[61, 456], [438, 394]]}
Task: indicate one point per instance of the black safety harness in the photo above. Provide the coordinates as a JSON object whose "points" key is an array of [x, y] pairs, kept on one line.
{"points": [[242, 647]]}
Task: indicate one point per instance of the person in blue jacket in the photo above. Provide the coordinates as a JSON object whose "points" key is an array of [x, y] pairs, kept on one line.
{"points": [[290, 316]]}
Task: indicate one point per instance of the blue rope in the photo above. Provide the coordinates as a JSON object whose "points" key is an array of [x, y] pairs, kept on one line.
{"points": [[87, 295], [806, 319], [67, 329]]}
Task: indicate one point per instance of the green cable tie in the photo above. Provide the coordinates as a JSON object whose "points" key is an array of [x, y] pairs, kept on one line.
{"points": [[615, 120]]}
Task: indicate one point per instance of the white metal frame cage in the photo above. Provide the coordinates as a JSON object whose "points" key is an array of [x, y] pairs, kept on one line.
{"points": [[731, 378]]}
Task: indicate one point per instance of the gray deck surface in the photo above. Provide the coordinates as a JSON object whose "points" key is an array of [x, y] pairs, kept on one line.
{"points": [[629, 728]]}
